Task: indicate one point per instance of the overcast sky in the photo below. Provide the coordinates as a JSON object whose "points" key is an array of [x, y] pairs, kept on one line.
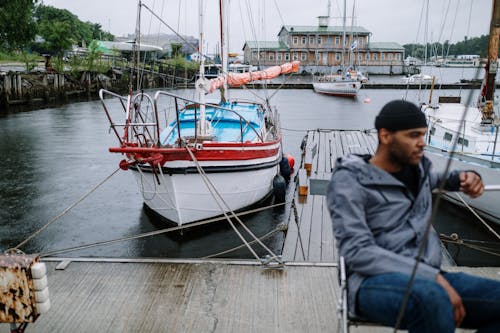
{"points": [[401, 21]]}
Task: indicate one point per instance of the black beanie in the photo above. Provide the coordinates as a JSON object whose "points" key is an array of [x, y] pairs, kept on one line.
{"points": [[400, 115]]}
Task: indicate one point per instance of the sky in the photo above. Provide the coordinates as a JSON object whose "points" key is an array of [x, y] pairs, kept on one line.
{"points": [[401, 21]]}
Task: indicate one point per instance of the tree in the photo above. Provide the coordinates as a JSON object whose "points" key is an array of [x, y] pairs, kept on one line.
{"points": [[17, 26]]}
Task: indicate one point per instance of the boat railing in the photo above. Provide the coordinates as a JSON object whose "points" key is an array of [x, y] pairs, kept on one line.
{"points": [[192, 104], [141, 120]]}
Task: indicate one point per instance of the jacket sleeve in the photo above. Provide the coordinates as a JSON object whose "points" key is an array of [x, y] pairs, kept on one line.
{"points": [[452, 181], [355, 241]]}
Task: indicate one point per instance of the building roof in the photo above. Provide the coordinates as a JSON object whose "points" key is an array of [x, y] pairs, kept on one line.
{"points": [[314, 29], [266, 45], [385, 46]]}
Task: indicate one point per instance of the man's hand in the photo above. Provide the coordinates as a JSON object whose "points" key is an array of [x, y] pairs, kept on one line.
{"points": [[455, 299], [471, 184]]}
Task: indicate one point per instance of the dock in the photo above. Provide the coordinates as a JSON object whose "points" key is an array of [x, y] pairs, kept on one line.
{"points": [[217, 295]]}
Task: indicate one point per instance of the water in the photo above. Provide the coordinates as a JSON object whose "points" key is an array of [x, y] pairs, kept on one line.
{"points": [[51, 157]]}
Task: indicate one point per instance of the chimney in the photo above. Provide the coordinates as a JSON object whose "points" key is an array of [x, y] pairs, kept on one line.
{"points": [[323, 21]]}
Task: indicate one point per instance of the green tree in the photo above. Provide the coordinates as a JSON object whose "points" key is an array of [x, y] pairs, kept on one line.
{"points": [[17, 26], [57, 40]]}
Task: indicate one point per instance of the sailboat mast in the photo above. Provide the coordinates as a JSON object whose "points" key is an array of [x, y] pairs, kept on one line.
{"points": [[343, 37], [137, 49], [492, 64], [223, 44], [200, 83]]}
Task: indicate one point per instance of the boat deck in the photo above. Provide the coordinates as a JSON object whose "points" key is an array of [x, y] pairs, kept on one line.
{"points": [[169, 295]]}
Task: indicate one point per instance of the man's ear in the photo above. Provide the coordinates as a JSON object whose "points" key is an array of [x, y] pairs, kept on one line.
{"points": [[384, 136]]}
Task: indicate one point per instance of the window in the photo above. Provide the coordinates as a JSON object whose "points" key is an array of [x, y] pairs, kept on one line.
{"points": [[262, 55], [279, 56], [390, 56], [287, 56], [311, 40], [337, 56], [254, 55], [398, 56], [447, 136], [337, 40], [295, 40], [382, 56], [374, 57], [360, 56], [304, 40], [271, 56], [319, 40], [464, 142], [367, 56], [295, 56], [303, 56], [432, 131], [360, 41]]}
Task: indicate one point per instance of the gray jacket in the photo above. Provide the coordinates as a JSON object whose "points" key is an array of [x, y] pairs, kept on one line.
{"points": [[379, 224]]}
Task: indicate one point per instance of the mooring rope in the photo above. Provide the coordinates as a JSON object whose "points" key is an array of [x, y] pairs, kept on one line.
{"points": [[280, 227], [456, 240], [156, 232], [213, 190], [64, 212], [477, 215]]}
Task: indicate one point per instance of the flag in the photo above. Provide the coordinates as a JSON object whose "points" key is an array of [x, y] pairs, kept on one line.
{"points": [[354, 45]]}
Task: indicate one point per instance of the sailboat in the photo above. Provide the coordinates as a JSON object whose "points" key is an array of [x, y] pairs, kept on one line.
{"points": [[200, 159], [469, 134], [347, 81]]}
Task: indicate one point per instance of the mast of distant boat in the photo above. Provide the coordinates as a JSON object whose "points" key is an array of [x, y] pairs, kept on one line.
{"points": [[201, 82], [344, 37], [488, 89], [224, 45]]}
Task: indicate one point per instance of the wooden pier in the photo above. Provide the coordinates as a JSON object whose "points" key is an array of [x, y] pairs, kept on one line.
{"points": [[179, 295]]}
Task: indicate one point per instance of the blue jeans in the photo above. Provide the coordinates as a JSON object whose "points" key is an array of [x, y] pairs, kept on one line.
{"points": [[429, 309]]}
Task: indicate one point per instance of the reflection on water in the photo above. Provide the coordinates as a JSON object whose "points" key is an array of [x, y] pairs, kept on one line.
{"points": [[51, 157]]}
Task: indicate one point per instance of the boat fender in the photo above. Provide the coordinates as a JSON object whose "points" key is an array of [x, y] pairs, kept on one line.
{"points": [[285, 171], [291, 161], [279, 188]]}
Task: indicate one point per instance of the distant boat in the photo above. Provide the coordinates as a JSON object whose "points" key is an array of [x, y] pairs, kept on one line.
{"points": [[194, 160], [418, 79], [470, 133], [347, 81]]}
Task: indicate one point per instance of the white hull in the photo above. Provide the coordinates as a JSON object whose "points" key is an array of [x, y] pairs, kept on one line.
{"points": [[339, 88], [185, 198], [487, 205]]}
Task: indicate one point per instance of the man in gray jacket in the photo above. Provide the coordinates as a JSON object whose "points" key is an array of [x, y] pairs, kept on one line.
{"points": [[379, 207]]}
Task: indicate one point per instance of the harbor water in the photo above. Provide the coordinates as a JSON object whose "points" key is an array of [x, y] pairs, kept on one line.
{"points": [[52, 157]]}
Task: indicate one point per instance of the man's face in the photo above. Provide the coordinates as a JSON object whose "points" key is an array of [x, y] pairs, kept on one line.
{"points": [[407, 146]]}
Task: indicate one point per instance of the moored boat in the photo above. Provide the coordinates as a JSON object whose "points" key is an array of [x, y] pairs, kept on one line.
{"points": [[468, 135], [204, 159]]}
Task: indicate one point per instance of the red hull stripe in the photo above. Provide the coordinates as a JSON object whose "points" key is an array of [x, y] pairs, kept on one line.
{"points": [[180, 154]]}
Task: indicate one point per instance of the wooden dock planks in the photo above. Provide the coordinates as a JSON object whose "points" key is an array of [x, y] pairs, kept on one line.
{"points": [[313, 226], [187, 297]]}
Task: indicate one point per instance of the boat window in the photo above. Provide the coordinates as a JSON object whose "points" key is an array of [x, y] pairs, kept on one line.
{"points": [[447, 136], [432, 131], [464, 142]]}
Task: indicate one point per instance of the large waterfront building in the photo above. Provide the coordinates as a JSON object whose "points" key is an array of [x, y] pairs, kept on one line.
{"points": [[319, 48]]}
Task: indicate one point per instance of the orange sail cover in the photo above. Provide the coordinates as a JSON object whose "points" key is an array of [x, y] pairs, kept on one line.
{"points": [[239, 79]]}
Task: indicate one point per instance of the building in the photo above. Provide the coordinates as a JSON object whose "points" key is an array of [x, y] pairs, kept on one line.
{"points": [[319, 48]]}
